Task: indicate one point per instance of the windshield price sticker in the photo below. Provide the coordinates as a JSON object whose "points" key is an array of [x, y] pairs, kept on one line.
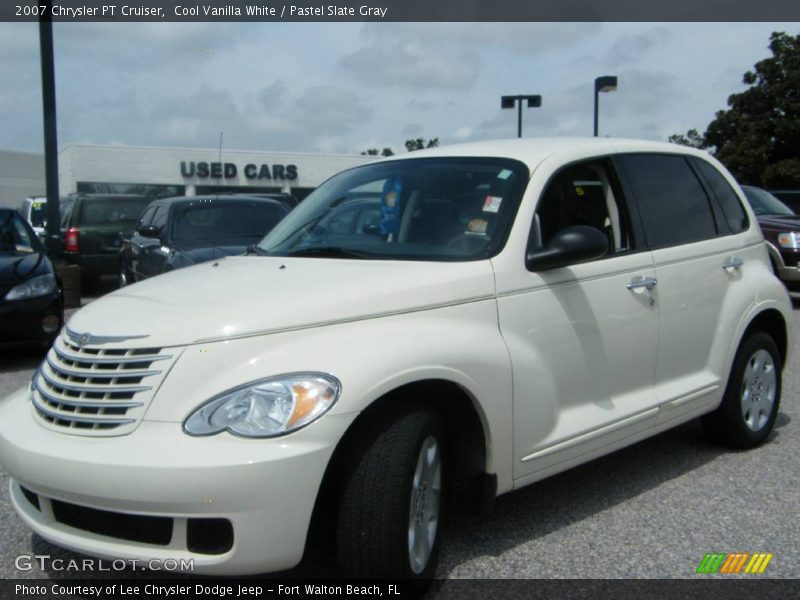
{"points": [[492, 204]]}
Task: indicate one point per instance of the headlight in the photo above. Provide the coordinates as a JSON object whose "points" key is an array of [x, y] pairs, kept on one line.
{"points": [[33, 288], [268, 407], [789, 240]]}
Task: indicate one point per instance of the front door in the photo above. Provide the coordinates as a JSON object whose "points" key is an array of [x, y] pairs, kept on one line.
{"points": [[582, 338]]}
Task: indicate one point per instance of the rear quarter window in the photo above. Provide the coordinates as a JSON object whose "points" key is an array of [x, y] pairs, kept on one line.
{"points": [[673, 204], [731, 206]]}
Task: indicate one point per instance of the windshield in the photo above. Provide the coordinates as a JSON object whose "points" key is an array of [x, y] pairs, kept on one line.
{"points": [[14, 235], [113, 211], [416, 209], [38, 214], [764, 203], [204, 220]]}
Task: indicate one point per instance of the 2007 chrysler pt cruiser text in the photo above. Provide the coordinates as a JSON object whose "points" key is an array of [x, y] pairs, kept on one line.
{"points": [[450, 325]]}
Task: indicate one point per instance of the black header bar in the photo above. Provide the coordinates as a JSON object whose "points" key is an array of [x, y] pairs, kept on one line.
{"points": [[400, 10]]}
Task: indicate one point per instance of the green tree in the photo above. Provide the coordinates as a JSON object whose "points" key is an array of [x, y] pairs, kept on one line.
{"points": [[420, 143], [758, 136], [692, 139], [411, 145]]}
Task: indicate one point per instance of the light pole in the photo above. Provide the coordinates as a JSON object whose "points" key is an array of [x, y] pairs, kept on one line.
{"points": [[606, 83], [53, 241], [534, 101]]}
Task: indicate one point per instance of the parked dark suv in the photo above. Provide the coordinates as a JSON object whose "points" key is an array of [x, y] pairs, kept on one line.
{"points": [[781, 229], [179, 232], [790, 198], [93, 225]]}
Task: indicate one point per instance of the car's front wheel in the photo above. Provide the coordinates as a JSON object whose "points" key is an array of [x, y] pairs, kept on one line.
{"points": [[391, 508], [752, 397]]}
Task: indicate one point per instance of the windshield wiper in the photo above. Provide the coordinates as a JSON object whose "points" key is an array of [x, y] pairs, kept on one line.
{"points": [[329, 252]]}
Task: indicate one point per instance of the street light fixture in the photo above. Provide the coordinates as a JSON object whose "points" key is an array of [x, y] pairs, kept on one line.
{"points": [[534, 101], [606, 83]]}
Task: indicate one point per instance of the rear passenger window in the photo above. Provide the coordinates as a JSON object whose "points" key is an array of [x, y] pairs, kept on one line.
{"points": [[673, 205], [728, 200]]}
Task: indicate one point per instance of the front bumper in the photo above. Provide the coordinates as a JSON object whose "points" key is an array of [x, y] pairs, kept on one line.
{"points": [[265, 489], [21, 320]]}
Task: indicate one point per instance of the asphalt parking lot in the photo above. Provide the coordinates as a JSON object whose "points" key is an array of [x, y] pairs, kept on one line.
{"points": [[652, 510]]}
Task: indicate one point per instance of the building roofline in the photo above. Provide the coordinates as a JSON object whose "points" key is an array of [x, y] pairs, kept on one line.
{"points": [[214, 150]]}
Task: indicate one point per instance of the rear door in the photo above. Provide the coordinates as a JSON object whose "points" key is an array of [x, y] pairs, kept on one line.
{"points": [[699, 253]]}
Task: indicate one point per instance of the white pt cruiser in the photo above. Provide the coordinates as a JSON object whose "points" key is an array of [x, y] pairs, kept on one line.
{"points": [[447, 326]]}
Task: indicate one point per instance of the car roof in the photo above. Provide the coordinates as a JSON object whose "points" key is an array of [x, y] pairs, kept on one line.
{"points": [[533, 151], [221, 198], [106, 197]]}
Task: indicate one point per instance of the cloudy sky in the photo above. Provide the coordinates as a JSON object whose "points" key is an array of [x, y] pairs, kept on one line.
{"points": [[345, 87]]}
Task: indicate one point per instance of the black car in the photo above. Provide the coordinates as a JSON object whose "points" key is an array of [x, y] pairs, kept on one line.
{"points": [[183, 231], [287, 199], [790, 198], [31, 307], [781, 229], [93, 228]]}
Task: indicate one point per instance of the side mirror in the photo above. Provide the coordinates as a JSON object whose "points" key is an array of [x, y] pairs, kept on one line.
{"points": [[575, 244], [150, 231], [371, 229]]}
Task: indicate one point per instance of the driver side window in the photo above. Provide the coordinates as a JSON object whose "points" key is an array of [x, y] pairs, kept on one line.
{"points": [[584, 194]]}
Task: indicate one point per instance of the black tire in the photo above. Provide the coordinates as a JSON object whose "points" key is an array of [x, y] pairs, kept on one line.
{"points": [[375, 507], [744, 425], [125, 276]]}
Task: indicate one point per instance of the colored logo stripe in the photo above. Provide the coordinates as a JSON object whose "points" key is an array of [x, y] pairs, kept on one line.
{"points": [[710, 563], [758, 563], [733, 563]]}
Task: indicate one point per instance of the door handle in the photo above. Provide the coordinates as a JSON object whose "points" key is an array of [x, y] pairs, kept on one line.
{"points": [[733, 263], [648, 283]]}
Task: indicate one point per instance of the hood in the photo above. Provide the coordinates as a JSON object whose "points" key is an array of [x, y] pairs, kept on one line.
{"points": [[779, 222], [193, 254], [246, 295], [18, 266]]}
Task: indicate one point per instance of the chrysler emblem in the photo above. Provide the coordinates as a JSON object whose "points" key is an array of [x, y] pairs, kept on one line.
{"points": [[81, 339]]}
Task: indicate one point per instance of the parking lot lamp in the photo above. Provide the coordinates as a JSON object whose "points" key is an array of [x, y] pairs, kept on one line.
{"points": [[534, 101], [606, 83]]}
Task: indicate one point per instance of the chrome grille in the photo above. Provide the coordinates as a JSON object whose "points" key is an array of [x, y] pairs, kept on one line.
{"points": [[97, 391]]}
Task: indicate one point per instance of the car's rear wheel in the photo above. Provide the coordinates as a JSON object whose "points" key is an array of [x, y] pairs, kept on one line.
{"points": [[752, 397], [390, 514]]}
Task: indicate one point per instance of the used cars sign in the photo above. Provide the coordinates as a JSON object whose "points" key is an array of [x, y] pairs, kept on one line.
{"points": [[219, 170]]}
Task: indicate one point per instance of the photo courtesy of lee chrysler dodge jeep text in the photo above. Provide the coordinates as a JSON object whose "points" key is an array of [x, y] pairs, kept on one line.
{"points": [[516, 308]]}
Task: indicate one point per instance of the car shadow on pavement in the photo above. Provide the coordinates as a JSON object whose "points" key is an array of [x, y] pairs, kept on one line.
{"points": [[20, 359], [580, 493]]}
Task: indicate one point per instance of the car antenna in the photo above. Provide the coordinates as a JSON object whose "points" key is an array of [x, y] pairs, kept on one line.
{"points": [[219, 159]]}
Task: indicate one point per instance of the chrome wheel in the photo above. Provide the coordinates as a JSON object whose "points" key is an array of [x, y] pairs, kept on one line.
{"points": [[759, 385], [423, 517]]}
